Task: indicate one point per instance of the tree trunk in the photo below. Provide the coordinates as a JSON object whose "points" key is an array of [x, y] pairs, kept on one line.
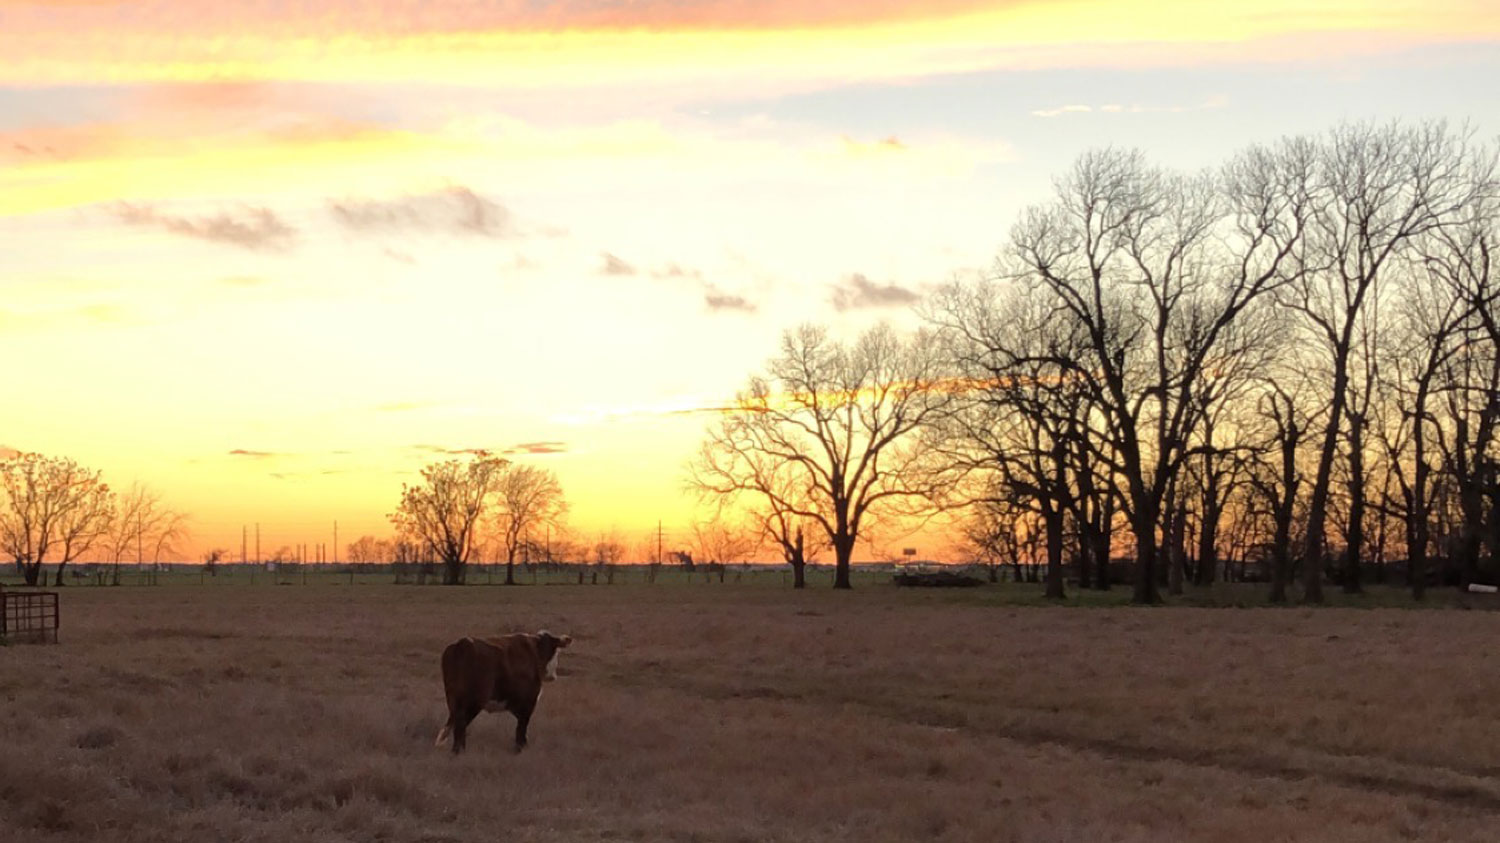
{"points": [[796, 557], [453, 571], [1354, 539], [1281, 551], [57, 580], [1054, 523], [1317, 509], [1146, 591], [1208, 550], [1468, 537], [843, 550], [32, 573], [510, 567], [1208, 529], [1102, 540], [1417, 533], [1176, 527]]}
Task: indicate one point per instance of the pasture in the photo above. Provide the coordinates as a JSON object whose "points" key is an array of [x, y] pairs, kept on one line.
{"points": [[746, 713]]}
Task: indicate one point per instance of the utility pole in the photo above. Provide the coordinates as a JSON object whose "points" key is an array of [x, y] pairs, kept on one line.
{"points": [[335, 541], [243, 543], [658, 541]]}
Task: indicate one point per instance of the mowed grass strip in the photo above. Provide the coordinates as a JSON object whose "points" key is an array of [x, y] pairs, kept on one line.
{"points": [[715, 713]]}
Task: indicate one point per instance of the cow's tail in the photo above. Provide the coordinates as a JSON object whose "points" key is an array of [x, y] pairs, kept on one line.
{"points": [[456, 659]]}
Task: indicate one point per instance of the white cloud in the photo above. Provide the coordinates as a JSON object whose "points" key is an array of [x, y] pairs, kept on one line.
{"points": [[1213, 102]]}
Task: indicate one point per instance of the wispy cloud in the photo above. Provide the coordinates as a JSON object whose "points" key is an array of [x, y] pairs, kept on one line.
{"points": [[681, 405], [442, 449], [547, 447], [1062, 109], [718, 300], [257, 455], [615, 265], [884, 146], [454, 210], [248, 227], [1136, 108], [857, 292], [676, 270]]}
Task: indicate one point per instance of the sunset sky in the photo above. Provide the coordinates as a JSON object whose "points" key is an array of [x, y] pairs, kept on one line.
{"points": [[271, 257]]}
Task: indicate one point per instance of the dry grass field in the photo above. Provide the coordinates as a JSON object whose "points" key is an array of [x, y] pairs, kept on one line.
{"points": [[740, 714]]}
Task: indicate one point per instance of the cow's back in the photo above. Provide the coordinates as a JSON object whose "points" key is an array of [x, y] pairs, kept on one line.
{"points": [[466, 674], [505, 669], [516, 670]]}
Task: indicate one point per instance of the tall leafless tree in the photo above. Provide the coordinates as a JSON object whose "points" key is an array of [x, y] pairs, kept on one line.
{"points": [[1154, 268], [838, 418], [1018, 415], [442, 512], [528, 499], [53, 509], [1374, 192]]}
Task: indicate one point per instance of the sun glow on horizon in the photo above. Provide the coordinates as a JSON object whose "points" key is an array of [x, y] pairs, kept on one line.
{"points": [[271, 258]]}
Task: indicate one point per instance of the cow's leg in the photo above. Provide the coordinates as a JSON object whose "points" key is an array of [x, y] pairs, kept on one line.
{"points": [[445, 733], [523, 719], [461, 723]]}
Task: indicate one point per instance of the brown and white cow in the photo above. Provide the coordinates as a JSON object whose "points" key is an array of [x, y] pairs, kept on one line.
{"points": [[497, 674]]}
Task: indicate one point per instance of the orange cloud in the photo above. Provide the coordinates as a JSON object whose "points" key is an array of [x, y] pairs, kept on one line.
{"points": [[524, 45], [43, 168]]}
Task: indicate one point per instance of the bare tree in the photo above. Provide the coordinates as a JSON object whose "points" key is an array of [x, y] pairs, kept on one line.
{"points": [[142, 523], [212, 558], [1276, 475], [368, 550], [1376, 189], [528, 499], [1426, 337], [722, 543], [609, 552], [990, 536], [826, 434], [171, 530], [1153, 269], [787, 532], [54, 508], [1010, 434], [442, 512]]}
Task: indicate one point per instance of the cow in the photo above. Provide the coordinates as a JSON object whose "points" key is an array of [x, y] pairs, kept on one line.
{"points": [[497, 674]]}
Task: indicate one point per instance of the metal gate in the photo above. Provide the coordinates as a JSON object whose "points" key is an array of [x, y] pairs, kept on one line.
{"points": [[30, 616]]}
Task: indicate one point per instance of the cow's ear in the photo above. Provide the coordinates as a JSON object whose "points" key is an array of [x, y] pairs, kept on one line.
{"points": [[564, 641]]}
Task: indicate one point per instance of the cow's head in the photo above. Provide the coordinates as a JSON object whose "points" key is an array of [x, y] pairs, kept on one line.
{"points": [[548, 647]]}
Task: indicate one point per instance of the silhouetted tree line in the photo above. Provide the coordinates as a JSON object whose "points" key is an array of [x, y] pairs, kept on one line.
{"points": [[55, 510], [1289, 364]]}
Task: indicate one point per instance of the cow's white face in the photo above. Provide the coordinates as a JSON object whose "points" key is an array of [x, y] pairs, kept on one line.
{"points": [[556, 643]]}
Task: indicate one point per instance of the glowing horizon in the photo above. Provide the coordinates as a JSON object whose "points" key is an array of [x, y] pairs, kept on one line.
{"points": [[270, 258]]}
